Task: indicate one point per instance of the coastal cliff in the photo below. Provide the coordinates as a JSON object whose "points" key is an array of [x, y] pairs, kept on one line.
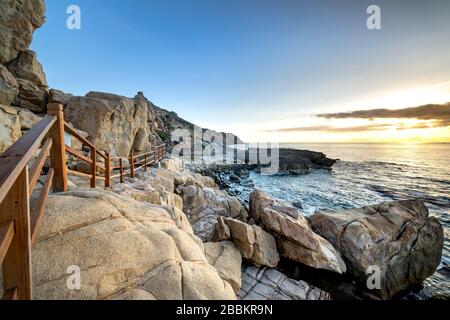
{"points": [[174, 232]]}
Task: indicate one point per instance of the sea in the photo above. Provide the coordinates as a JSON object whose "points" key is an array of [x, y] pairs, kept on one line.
{"points": [[368, 174]]}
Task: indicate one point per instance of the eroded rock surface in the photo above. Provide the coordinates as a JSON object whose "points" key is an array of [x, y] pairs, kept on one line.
{"points": [[124, 249], [203, 206], [398, 238], [226, 259], [295, 238], [270, 284], [255, 245]]}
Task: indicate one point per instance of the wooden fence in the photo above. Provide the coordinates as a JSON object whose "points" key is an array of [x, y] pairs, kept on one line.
{"points": [[18, 223]]}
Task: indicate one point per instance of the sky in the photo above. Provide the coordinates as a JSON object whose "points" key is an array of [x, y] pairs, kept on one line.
{"points": [[266, 70]]}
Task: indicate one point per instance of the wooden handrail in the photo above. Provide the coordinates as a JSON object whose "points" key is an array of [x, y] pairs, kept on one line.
{"points": [[14, 160], [71, 130]]}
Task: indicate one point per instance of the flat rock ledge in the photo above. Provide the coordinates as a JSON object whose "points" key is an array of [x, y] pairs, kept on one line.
{"points": [[270, 284]]}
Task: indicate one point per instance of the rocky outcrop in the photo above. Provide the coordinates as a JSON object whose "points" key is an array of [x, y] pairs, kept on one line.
{"points": [[226, 259], [397, 238], [27, 118], [9, 87], [18, 20], [9, 128], [27, 67], [114, 123], [270, 284], [22, 79], [255, 245], [295, 238], [91, 231], [203, 206]]}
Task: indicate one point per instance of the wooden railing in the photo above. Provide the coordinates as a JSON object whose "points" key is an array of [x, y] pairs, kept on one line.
{"points": [[137, 162], [19, 226], [18, 223]]}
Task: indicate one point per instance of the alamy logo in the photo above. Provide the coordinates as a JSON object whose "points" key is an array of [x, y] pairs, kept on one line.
{"points": [[74, 280], [374, 20], [374, 279], [73, 22]]}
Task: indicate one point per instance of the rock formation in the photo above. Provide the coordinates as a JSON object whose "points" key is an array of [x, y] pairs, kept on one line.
{"points": [[93, 230], [255, 245], [22, 80], [226, 259], [399, 238], [9, 128], [270, 284], [114, 123], [203, 206], [295, 238]]}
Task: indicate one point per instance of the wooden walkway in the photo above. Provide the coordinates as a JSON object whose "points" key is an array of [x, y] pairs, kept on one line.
{"points": [[18, 224]]}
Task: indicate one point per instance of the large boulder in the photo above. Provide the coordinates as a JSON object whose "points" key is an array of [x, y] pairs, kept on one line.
{"points": [[114, 123], [398, 239], [295, 238], [27, 118], [9, 128], [226, 259], [124, 249], [270, 284], [203, 207], [31, 96], [9, 87], [18, 20], [255, 245], [26, 66]]}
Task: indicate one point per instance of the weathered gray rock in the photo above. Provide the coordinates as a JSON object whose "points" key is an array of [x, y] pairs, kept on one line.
{"points": [[9, 87], [255, 245], [27, 67], [226, 259], [18, 20], [93, 229], [399, 238], [9, 128], [270, 284], [32, 97], [203, 206], [295, 238]]}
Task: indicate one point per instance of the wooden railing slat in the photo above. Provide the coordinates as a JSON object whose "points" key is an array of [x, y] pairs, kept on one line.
{"points": [[17, 262], [73, 132], [36, 169], [14, 160], [83, 175], [37, 214], [78, 154], [6, 236]]}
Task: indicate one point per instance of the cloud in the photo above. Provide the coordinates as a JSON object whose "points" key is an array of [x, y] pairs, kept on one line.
{"points": [[440, 112], [372, 127]]}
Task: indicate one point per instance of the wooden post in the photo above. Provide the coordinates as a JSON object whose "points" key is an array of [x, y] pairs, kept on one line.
{"points": [[145, 162], [107, 170], [17, 262], [132, 165], [58, 150], [93, 167], [121, 170]]}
